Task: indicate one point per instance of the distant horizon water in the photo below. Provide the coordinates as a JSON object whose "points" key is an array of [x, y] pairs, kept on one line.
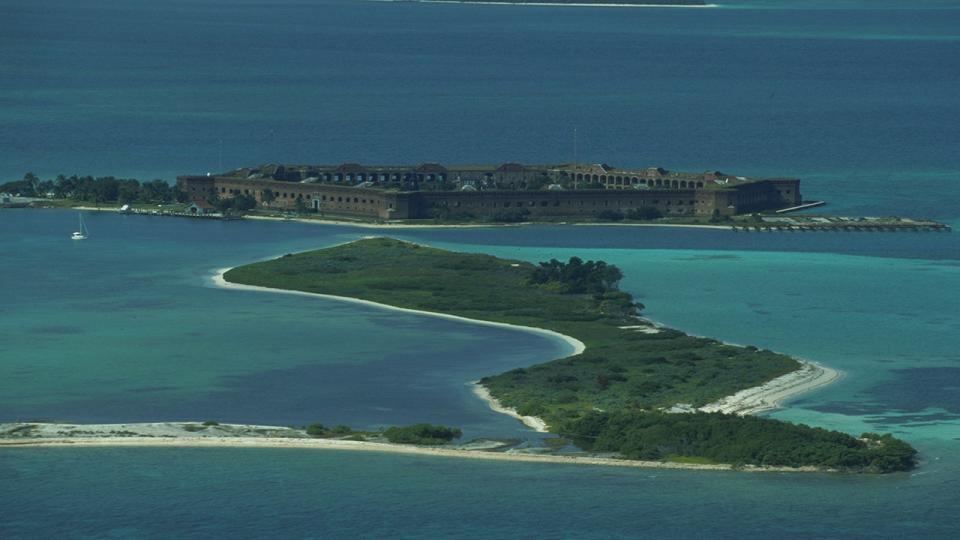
{"points": [[854, 101]]}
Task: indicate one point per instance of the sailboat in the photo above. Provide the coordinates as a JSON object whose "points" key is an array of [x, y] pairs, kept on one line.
{"points": [[82, 233]]}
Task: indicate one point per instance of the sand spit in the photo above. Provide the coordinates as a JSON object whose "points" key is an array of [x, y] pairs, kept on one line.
{"points": [[771, 394], [533, 422], [161, 435], [57, 431]]}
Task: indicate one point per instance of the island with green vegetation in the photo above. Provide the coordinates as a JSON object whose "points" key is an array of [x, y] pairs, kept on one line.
{"points": [[85, 189], [611, 398], [33, 433]]}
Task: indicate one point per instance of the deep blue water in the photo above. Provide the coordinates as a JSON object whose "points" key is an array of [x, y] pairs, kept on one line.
{"points": [[858, 102], [240, 493], [858, 98]]}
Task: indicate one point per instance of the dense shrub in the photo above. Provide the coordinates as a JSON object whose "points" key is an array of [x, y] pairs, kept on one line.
{"points": [[735, 439], [426, 434], [578, 277], [317, 430]]}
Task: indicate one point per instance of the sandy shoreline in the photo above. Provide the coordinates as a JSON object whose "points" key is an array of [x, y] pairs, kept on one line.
{"points": [[361, 446], [537, 424], [773, 393]]}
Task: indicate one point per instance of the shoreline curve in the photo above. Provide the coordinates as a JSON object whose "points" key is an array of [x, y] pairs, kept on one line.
{"points": [[768, 396], [771, 394], [575, 344], [533, 422]]}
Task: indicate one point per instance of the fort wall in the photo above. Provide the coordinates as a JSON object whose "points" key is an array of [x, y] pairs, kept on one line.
{"points": [[505, 191]]}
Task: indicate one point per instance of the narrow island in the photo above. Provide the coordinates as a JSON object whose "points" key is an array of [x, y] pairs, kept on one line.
{"points": [[631, 394]]}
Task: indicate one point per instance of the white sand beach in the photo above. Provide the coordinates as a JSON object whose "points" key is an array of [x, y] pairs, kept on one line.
{"points": [[537, 424], [772, 394]]}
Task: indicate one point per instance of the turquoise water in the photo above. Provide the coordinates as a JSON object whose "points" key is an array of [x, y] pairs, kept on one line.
{"points": [[858, 98], [129, 328], [126, 327]]}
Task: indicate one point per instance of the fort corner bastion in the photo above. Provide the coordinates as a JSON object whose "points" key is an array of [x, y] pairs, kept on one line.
{"points": [[510, 190]]}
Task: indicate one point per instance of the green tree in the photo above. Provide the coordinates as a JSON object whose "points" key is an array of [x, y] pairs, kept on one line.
{"points": [[44, 187], [33, 182], [63, 187], [156, 191], [578, 277], [425, 434], [244, 202], [128, 191]]}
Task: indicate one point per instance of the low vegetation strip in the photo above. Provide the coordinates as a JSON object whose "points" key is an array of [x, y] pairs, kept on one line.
{"points": [[628, 367], [738, 440]]}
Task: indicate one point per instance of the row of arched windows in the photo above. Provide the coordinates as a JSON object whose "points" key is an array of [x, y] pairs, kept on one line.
{"points": [[613, 180]]}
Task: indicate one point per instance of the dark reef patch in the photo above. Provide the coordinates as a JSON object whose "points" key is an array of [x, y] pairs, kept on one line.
{"points": [[912, 396]]}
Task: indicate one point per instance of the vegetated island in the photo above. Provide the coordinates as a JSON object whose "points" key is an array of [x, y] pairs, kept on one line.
{"points": [[632, 394], [614, 396]]}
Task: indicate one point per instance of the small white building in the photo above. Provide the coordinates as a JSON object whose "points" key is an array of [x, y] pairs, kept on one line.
{"points": [[200, 207]]}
